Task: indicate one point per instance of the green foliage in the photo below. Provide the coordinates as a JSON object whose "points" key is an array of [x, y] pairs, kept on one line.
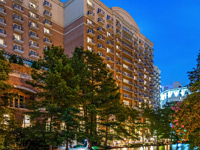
{"points": [[36, 65], [188, 115], [20, 61], [13, 59], [58, 88]]}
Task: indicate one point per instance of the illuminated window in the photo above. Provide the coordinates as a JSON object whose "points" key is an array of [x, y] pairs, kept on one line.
{"points": [[26, 121], [18, 102]]}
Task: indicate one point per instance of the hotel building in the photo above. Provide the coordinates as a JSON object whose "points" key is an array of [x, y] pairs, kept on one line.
{"points": [[156, 87], [29, 26]]}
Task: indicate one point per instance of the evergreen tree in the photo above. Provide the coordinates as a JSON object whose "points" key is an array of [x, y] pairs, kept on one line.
{"points": [[99, 99], [13, 59], [20, 61], [57, 90], [189, 114]]}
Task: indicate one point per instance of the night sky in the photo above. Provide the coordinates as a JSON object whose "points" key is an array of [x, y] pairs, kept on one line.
{"points": [[174, 27]]}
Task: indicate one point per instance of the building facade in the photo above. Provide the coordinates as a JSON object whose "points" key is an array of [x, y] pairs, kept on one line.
{"points": [[156, 87], [173, 93], [29, 26], [115, 36]]}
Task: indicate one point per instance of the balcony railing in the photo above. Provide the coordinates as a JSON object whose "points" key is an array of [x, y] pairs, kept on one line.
{"points": [[109, 27], [18, 19], [101, 38], [109, 43], [18, 1], [100, 46], [128, 53], [33, 45], [18, 8], [18, 29], [110, 59], [118, 25], [47, 4], [47, 23], [18, 50], [90, 5], [101, 21], [91, 32], [109, 19], [3, 2], [100, 12], [126, 59], [2, 22], [47, 41], [90, 14], [19, 41], [2, 33], [35, 17], [33, 7], [2, 11], [47, 13], [33, 26], [34, 54], [33, 35], [100, 29]]}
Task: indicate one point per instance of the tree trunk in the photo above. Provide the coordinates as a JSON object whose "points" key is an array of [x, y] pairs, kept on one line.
{"points": [[106, 138]]}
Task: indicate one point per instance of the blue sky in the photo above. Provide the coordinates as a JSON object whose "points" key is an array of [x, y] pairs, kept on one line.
{"points": [[174, 27]]}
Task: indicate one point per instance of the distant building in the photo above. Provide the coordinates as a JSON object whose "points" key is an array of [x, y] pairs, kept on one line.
{"points": [[173, 93], [156, 87]]}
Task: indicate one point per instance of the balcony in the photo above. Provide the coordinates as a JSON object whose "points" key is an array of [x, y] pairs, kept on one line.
{"points": [[47, 41], [90, 5], [127, 68], [118, 55], [127, 39], [109, 51], [18, 50], [2, 22], [100, 12], [2, 33], [90, 15], [48, 14], [101, 21], [109, 27], [90, 32], [18, 30], [127, 96], [33, 7], [2, 11], [33, 26], [18, 8], [47, 23], [110, 67], [127, 60], [127, 31], [91, 42], [110, 44], [34, 55], [118, 48], [3, 45], [47, 5], [118, 25], [127, 89], [127, 75], [128, 82], [101, 47], [127, 53], [109, 19], [126, 45], [90, 23], [101, 38], [101, 30], [18, 1], [3, 2], [118, 63], [18, 19], [118, 71], [101, 54], [118, 41], [109, 59], [34, 17], [33, 35], [19, 41], [33, 45], [48, 33], [110, 36], [118, 33]]}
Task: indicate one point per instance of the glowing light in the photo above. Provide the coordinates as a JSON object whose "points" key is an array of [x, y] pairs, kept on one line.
{"points": [[170, 94]]}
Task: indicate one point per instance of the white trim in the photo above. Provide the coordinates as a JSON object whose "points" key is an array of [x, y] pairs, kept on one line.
{"points": [[74, 28], [24, 88]]}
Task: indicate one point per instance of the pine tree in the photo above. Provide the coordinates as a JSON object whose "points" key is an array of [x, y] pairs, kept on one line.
{"points": [[99, 99], [57, 90]]}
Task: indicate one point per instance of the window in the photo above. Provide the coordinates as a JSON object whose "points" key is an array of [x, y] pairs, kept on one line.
{"points": [[47, 31], [17, 36], [26, 121], [31, 14], [2, 41], [33, 5], [17, 26], [18, 102], [33, 24], [17, 47], [89, 39], [1, 30]]}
